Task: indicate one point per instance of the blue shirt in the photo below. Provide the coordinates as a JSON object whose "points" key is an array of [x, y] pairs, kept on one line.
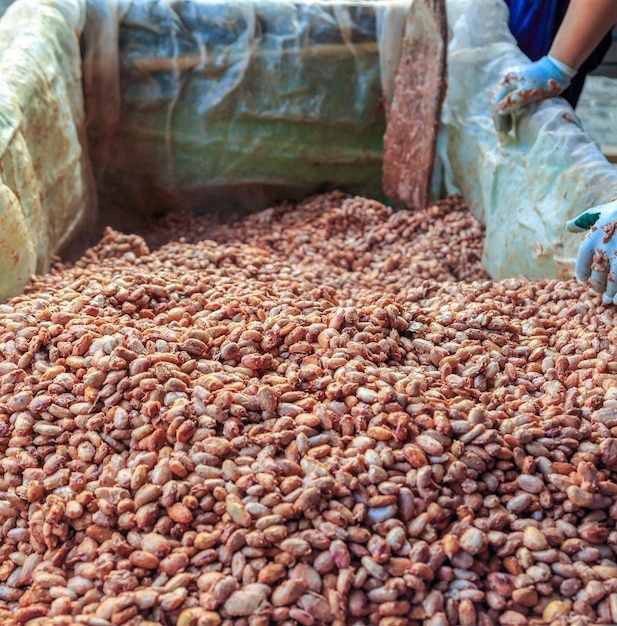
{"points": [[534, 24]]}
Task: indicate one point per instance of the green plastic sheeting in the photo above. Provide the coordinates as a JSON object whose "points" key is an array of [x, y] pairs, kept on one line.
{"points": [[233, 105]]}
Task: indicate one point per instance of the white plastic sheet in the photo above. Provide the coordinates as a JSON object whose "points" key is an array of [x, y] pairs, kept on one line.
{"points": [[525, 187], [46, 185]]}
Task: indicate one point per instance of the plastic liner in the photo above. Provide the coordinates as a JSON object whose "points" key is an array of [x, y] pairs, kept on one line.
{"points": [[4, 5], [46, 183], [234, 105], [522, 188]]}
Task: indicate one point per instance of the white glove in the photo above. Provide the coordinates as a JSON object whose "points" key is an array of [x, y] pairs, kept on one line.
{"points": [[596, 260]]}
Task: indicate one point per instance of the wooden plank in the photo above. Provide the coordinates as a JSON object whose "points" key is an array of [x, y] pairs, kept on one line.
{"points": [[413, 121]]}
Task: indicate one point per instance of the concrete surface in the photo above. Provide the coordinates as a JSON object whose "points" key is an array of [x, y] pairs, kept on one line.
{"points": [[597, 110]]}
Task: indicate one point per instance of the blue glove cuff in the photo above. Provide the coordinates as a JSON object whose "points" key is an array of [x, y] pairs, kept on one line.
{"points": [[568, 72]]}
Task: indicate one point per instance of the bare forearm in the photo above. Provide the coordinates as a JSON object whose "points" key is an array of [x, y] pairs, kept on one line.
{"points": [[584, 25]]}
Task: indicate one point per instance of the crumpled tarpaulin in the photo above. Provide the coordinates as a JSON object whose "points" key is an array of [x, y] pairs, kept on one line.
{"points": [[46, 184]]}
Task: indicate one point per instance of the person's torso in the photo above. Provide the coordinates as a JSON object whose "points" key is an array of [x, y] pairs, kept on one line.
{"points": [[534, 24]]}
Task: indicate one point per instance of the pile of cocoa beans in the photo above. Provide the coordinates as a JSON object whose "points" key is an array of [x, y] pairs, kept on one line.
{"points": [[325, 413]]}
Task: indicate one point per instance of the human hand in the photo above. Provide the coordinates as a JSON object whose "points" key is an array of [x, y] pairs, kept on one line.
{"points": [[596, 260], [528, 83]]}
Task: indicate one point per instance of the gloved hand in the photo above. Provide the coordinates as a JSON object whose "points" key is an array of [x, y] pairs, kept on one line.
{"points": [[596, 260], [527, 83]]}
